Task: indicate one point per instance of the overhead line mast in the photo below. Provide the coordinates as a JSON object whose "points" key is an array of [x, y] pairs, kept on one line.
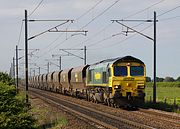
{"points": [[153, 39], [26, 56], [53, 29]]}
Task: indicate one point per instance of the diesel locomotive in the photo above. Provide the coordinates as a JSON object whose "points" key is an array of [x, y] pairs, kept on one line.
{"points": [[116, 82]]}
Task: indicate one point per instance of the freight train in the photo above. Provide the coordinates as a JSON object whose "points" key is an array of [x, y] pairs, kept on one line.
{"points": [[115, 82]]}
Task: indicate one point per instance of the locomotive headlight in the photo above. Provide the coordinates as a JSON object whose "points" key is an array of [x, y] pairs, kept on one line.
{"points": [[117, 87], [128, 64]]}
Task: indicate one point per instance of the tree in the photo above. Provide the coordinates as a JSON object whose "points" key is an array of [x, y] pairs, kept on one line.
{"points": [[178, 79], [148, 79], [169, 79], [158, 79]]}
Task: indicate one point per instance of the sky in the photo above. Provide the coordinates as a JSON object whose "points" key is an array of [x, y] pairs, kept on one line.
{"points": [[105, 39]]}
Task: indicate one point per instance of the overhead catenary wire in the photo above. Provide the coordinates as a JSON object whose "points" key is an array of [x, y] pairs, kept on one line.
{"points": [[87, 23], [20, 33], [144, 9], [70, 24], [139, 11], [169, 18], [96, 34], [53, 48], [119, 42], [168, 11], [100, 41], [109, 7], [158, 15], [100, 14], [111, 36], [97, 15], [96, 18], [78, 19], [89, 10], [105, 11], [36, 8], [163, 12], [139, 23]]}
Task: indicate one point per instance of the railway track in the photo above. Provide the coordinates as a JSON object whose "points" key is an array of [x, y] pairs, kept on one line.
{"points": [[95, 116], [161, 115], [150, 118], [108, 117]]}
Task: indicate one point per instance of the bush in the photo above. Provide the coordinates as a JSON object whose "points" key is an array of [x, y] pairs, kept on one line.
{"points": [[169, 79], [4, 77], [148, 79], [178, 79], [13, 113]]}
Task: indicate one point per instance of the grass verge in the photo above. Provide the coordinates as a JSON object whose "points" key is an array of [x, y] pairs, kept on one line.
{"points": [[46, 115], [168, 96]]}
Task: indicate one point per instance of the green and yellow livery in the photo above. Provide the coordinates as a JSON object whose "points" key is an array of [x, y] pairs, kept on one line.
{"points": [[117, 79]]}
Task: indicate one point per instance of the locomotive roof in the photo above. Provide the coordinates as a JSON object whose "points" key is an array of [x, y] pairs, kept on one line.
{"points": [[114, 60]]}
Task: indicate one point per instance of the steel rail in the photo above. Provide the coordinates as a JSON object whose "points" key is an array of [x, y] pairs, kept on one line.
{"points": [[119, 121], [78, 114]]}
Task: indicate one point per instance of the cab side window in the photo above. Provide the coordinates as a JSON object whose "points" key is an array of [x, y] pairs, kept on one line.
{"points": [[89, 75], [104, 77], [109, 72]]}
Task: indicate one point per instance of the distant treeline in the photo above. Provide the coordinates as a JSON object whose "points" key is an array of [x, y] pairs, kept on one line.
{"points": [[166, 79]]}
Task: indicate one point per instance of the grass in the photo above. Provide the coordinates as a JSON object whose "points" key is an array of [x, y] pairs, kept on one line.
{"points": [[164, 84], [168, 95], [47, 116]]}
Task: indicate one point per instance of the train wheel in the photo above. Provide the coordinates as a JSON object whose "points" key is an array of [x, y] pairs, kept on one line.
{"points": [[64, 92], [76, 94], [107, 101], [112, 103], [94, 99], [88, 97]]}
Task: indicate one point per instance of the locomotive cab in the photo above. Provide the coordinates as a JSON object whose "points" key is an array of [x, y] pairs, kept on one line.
{"points": [[128, 80]]}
